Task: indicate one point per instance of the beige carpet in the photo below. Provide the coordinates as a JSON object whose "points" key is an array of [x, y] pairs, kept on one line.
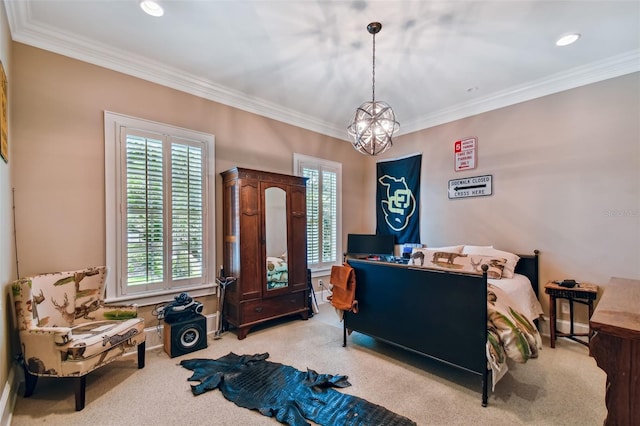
{"points": [[562, 387]]}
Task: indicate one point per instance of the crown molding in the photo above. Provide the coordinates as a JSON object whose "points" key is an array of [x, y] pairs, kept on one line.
{"points": [[612, 67], [23, 30], [70, 45]]}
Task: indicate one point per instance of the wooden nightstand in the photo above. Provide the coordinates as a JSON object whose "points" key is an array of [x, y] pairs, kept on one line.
{"points": [[582, 293]]}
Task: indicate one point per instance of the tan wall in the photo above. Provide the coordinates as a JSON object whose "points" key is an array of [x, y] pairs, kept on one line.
{"points": [[7, 258], [566, 181], [59, 152]]}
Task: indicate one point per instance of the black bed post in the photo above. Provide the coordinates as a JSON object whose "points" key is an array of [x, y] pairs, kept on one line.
{"points": [[535, 268], [485, 372], [344, 319]]}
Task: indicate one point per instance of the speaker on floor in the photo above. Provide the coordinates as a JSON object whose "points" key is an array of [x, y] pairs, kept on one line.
{"points": [[185, 336]]}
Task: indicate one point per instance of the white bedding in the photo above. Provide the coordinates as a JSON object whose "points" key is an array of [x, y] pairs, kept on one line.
{"points": [[519, 290]]}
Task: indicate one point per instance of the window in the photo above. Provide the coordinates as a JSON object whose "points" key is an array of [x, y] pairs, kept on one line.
{"points": [[159, 198], [324, 215]]}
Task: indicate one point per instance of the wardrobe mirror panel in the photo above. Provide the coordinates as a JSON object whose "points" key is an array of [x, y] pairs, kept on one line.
{"points": [[275, 216]]}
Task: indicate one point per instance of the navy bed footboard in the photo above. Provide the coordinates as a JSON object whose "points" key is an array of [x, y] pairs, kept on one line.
{"points": [[439, 314]]}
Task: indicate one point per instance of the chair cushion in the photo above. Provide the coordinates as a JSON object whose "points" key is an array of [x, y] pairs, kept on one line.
{"points": [[93, 338]]}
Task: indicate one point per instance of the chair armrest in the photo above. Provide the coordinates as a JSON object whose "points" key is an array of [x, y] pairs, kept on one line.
{"points": [[57, 335]]}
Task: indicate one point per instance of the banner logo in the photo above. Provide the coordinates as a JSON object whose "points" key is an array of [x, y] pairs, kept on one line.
{"points": [[398, 198], [399, 205]]}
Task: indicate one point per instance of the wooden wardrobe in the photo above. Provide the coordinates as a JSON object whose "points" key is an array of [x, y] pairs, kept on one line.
{"points": [[265, 229]]}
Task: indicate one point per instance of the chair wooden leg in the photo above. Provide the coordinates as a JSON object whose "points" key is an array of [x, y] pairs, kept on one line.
{"points": [[81, 386], [141, 354], [30, 381]]}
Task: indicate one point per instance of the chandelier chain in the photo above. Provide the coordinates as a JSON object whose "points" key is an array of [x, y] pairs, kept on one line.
{"points": [[373, 74]]}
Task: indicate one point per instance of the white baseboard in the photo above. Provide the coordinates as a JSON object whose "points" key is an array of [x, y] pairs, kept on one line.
{"points": [[8, 397], [154, 334], [563, 326], [320, 294]]}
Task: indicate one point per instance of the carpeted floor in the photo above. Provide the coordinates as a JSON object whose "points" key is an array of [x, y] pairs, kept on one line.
{"points": [[562, 387]]}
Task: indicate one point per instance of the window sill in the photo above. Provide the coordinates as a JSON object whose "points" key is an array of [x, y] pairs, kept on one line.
{"points": [[320, 272], [147, 299]]}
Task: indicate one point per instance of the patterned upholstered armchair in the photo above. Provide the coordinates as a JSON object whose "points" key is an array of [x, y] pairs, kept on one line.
{"points": [[66, 331]]}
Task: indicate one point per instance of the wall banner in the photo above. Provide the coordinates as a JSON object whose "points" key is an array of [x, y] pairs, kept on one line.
{"points": [[398, 199]]}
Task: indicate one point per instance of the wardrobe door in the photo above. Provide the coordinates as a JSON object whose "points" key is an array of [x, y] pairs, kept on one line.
{"points": [[298, 238], [275, 242], [250, 248]]}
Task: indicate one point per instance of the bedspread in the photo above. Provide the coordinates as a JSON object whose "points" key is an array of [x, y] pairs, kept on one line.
{"points": [[509, 333]]}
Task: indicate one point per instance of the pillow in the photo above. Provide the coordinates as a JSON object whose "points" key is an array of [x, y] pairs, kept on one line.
{"points": [[418, 256], [435, 257], [452, 249], [495, 264], [511, 259], [476, 247]]}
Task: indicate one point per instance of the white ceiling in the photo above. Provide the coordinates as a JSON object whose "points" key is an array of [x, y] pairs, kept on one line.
{"points": [[308, 62]]}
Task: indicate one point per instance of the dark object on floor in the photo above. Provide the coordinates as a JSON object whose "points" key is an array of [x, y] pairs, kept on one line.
{"points": [[289, 395], [186, 336], [182, 308]]}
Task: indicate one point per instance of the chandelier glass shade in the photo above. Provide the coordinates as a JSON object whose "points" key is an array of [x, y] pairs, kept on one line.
{"points": [[374, 122]]}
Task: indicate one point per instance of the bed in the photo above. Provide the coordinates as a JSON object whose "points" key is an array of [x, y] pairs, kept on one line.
{"points": [[446, 311], [277, 273]]}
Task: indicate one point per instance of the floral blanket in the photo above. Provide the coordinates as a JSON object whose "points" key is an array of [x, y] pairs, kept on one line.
{"points": [[509, 334]]}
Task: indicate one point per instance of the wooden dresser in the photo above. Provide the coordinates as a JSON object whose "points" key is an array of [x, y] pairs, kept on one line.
{"points": [[616, 349], [265, 247]]}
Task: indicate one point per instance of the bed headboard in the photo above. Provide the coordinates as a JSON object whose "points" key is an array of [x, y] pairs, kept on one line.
{"points": [[528, 266]]}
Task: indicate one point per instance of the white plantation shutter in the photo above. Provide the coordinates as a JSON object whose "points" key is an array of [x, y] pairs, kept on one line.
{"points": [[159, 210], [313, 215], [329, 216], [164, 221], [144, 210], [187, 186], [323, 210]]}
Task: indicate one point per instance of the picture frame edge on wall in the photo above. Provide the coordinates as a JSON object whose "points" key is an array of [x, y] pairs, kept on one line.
{"points": [[4, 105]]}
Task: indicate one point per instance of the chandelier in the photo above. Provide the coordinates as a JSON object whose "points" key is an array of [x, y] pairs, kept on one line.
{"points": [[374, 122]]}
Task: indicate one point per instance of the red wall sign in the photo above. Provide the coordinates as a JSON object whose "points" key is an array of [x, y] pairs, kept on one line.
{"points": [[465, 154]]}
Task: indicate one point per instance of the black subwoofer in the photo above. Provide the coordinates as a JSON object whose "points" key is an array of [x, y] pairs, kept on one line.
{"points": [[186, 336]]}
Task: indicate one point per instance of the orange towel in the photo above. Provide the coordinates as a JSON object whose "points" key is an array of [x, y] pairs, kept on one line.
{"points": [[343, 279]]}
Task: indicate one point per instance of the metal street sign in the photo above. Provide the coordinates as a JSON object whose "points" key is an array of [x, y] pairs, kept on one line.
{"points": [[465, 154], [476, 186]]}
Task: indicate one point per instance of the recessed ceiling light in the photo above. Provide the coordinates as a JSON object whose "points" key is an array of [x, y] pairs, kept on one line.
{"points": [[152, 7], [567, 39]]}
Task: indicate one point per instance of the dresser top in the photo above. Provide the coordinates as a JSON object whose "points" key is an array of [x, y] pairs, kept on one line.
{"points": [[618, 312], [243, 173]]}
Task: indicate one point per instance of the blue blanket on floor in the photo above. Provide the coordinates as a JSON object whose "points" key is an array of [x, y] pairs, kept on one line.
{"points": [[289, 395]]}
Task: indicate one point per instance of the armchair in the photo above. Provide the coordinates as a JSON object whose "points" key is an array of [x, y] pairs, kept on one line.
{"points": [[65, 329]]}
